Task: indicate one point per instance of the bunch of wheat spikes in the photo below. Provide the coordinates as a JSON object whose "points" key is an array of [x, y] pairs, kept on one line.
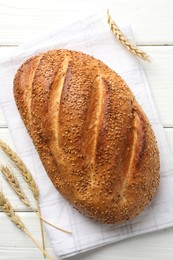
{"points": [[15, 185]]}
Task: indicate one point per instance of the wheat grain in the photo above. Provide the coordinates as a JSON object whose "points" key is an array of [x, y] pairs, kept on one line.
{"points": [[124, 41], [8, 209]]}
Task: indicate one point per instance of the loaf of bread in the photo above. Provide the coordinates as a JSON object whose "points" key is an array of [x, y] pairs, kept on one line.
{"points": [[93, 138]]}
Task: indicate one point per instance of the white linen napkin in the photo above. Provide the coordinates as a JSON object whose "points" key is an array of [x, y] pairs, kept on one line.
{"points": [[91, 36]]}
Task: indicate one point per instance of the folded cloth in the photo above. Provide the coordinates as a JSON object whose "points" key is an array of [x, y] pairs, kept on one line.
{"points": [[91, 36]]}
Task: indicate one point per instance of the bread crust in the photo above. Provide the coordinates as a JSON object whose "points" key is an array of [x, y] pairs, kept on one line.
{"points": [[93, 138]]}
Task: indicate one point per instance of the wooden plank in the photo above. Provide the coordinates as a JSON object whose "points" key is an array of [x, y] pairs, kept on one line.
{"points": [[5, 50], [152, 21], [5, 135], [169, 134], [18, 253], [160, 78], [159, 75], [2, 119]]}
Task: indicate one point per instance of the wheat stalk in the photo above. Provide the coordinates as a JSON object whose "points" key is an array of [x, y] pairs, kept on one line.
{"points": [[124, 41], [8, 174], [41, 226], [8, 209]]}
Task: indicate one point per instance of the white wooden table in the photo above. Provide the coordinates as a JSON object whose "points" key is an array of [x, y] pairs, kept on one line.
{"points": [[152, 24]]}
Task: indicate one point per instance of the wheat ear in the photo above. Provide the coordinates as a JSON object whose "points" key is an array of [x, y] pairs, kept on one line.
{"points": [[124, 41], [14, 183], [27, 176], [9, 176], [8, 209]]}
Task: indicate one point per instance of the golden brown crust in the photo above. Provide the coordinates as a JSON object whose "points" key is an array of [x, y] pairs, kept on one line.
{"points": [[93, 138]]}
